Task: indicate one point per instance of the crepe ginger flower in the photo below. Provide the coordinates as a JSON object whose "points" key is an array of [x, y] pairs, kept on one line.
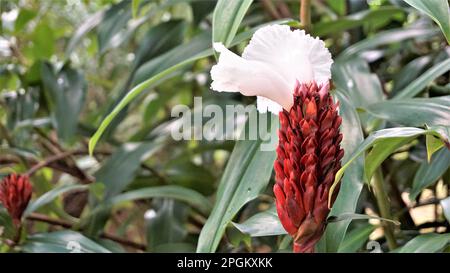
{"points": [[289, 72], [15, 194]]}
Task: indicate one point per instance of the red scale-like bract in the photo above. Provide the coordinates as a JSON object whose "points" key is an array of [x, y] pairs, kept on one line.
{"points": [[308, 157], [15, 193]]}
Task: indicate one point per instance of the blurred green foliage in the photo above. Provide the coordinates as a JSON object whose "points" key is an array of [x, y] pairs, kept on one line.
{"points": [[66, 65]]}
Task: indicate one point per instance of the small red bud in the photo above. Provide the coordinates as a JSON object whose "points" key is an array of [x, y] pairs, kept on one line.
{"points": [[15, 193]]}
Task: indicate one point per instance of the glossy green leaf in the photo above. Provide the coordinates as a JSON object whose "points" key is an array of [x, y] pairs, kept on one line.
{"points": [[174, 192], [135, 8], [354, 78], [433, 144], [130, 96], [44, 41], [246, 175], [6, 224], [358, 216], [379, 152], [198, 46], [352, 182], [160, 39], [114, 21], [165, 223], [227, 17], [387, 37], [438, 10], [410, 72], [414, 112], [88, 25], [356, 19], [66, 93], [424, 80], [426, 243], [381, 136], [65, 241], [429, 173], [51, 195], [265, 223], [120, 169], [356, 238], [24, 17]]}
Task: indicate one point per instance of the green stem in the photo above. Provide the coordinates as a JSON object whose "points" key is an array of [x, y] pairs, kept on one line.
{"points": [[305, 14], [384, 207]]}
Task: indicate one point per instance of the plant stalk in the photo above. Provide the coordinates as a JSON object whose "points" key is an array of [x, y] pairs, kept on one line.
{"points": [[384, 207], [305, 14]]}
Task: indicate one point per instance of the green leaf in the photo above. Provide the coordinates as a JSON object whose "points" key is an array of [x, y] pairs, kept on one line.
{"points": [[88, 25], [352, 182], [357, 216], [438, 10], [377, 138], [160, 69], [160, 39], [414, 112], [196, 47], [7, 230], [424, 80], [433, 144], [353, 76], [165, 224], [120, 168], [189, 196], [385, 13], [24, 17], [429, 173], [49, 196], [387, 37], [201, 9], [65, 241], [43, 45], [356, 238], [265, 223], [66, 93], [114, 21], [137, 90], [380, 151], [135, 8], [227, 17], [445, 204], [410, 72], [427, 243], [247, 173]]}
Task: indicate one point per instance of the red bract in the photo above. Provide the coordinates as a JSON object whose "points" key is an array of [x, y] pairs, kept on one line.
{"points": [[15, 193], [308, 157]]}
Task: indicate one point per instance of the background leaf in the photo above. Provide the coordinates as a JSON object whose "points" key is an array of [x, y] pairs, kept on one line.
{"points": [[65, 241], [227, 17], [429, 173], [438, 10], [426, 243], [66, 96], [245, 176]]}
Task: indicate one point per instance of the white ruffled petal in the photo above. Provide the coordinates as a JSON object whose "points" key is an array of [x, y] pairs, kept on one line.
{"points": [[296, 55], [275, 59], [252, 78], [263, 105]]}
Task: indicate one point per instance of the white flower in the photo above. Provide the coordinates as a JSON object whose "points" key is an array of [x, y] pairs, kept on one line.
{"points": [[272, 63]]}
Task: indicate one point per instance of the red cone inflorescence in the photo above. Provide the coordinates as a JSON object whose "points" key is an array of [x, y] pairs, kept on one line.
{"points": [[308, 157], [15, 193]]}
